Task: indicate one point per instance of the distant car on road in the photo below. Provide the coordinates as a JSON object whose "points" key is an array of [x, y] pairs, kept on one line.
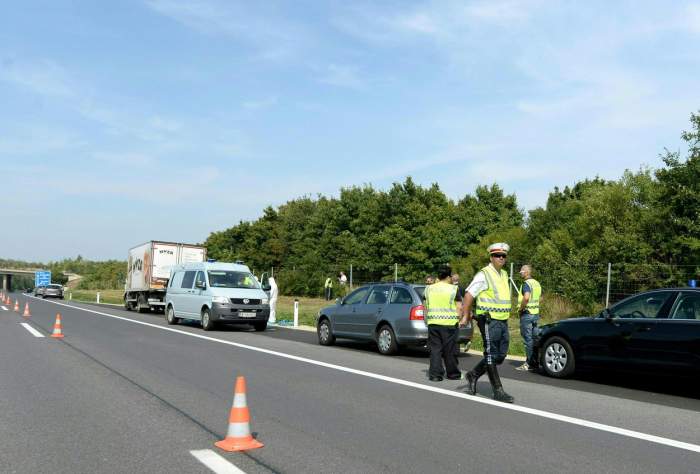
{"points": [[390, 314], [52, 291], [39, 290], [656, 331]]}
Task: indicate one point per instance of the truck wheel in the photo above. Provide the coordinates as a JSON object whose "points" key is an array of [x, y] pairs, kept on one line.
{"points": [[142, 305], [170, 316], [127, 305], [207, 323]]}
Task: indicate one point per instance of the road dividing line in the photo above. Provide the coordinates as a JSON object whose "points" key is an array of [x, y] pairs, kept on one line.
{"points": [[215, 462], [406, 383], [34, 332], [4, 309]]}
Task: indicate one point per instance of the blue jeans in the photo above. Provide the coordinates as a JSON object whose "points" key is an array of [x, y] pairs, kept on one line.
{"points": [[528, 329]]}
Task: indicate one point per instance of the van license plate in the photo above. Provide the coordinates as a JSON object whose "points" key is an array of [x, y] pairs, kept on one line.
{"points": [[245, 314]]}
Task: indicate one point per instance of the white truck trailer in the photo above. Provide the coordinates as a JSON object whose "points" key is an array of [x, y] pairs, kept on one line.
{"points": [[149, 270]]}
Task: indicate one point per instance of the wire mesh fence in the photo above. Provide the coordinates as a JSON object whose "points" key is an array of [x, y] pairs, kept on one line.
{"points": [[600, 284]]}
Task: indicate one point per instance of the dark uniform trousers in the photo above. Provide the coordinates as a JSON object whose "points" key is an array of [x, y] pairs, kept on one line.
{"points": [[442, 341], [496, 338]]}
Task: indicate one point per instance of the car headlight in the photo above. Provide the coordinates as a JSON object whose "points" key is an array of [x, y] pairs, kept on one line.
{"points": [[220, 299], [265, 301]]}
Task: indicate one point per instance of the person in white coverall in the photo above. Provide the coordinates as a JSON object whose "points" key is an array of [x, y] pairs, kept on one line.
{"points": [[273, 300]]}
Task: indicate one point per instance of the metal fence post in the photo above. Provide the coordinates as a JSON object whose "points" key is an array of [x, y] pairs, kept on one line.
{"points": [[396, 272], [351, 276], [296, 313], [607, 292]]}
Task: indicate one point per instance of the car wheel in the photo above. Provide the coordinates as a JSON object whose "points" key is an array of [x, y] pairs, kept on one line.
{"points": [[261, 326], [207, 323], [170, 316], [386, 340], [557, 357], [325, 334]]}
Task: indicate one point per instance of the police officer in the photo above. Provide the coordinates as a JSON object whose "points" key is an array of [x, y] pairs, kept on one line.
{"points": [[529, 311], [491, 290], [442, 319], [328, 288]]}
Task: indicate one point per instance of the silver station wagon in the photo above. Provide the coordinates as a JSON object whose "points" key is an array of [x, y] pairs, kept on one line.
{"points": [[390, 314]]}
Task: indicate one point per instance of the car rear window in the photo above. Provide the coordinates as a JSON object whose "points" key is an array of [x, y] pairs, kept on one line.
{"points": [[401, 296], [55, 287], [421, 291]]}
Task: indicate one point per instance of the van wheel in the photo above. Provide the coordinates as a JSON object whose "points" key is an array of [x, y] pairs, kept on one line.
{"points": [[260, 326], [386, 340], [207, 323], [170, 316]]}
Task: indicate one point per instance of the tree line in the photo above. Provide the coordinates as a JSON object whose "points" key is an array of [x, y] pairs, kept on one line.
{"points": [[649, 217]]}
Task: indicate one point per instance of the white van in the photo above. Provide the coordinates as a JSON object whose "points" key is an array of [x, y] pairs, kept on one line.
{"points": [[216, 292]]}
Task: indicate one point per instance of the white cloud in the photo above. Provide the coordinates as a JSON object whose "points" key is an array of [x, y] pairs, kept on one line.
{"points": [[275, 37], [265, 103], [43, 77], [342, 75]]}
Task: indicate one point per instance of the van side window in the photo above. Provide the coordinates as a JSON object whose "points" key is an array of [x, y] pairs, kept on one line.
{"points": [[188, 279]]}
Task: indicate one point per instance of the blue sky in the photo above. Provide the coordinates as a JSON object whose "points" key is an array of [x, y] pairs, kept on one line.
{"points": [[127, 121]]}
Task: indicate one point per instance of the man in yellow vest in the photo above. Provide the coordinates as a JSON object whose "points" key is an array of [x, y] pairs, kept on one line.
{"points": [[328, 287], [443, 305], [529, 311], [490, 289]]}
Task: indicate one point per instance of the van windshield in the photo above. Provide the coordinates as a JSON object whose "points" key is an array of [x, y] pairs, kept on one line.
{"points": [[229, 279]]}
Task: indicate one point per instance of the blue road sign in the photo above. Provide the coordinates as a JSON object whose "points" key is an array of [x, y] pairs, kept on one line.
{"points": [[42, 278]]}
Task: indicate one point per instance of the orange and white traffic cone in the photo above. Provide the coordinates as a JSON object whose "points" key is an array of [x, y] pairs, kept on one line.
{"points": [[7, 300], [238, 437], [57, 328], [16, 305], [26, 310]]}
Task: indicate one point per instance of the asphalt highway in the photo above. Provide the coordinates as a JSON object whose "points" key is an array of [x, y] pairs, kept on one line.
{"points": [[125, 392]]}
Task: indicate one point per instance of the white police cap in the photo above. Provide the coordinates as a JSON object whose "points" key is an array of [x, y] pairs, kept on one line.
{"points": [[500, 247]]}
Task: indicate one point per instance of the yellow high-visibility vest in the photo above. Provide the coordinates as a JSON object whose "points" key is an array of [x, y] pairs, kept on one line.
{"points": [[442, 308], [533, 304], [494, 300]]}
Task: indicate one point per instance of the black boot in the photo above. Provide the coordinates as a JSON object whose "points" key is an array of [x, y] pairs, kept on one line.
{"points": [[498, 393], [473, 376]]}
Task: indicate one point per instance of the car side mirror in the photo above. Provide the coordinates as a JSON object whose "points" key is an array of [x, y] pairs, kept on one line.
{"points": [[201, 285], [339, 301]]}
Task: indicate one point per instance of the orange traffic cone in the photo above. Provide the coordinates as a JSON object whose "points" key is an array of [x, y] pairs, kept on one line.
{"points": [[7, 300], [57, 329], [26, 310], [238, 437], [16, 305]]}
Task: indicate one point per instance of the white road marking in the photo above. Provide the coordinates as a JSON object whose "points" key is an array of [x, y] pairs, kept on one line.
{"points": [[451, 393], [4, 309], [215, 462], [34, 332]]}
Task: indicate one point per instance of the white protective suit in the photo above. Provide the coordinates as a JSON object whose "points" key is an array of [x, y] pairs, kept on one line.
{"points": [[274, 291]]}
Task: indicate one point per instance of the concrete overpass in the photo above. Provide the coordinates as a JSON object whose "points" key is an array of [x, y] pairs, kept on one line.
{"points": [[7, 273]]}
